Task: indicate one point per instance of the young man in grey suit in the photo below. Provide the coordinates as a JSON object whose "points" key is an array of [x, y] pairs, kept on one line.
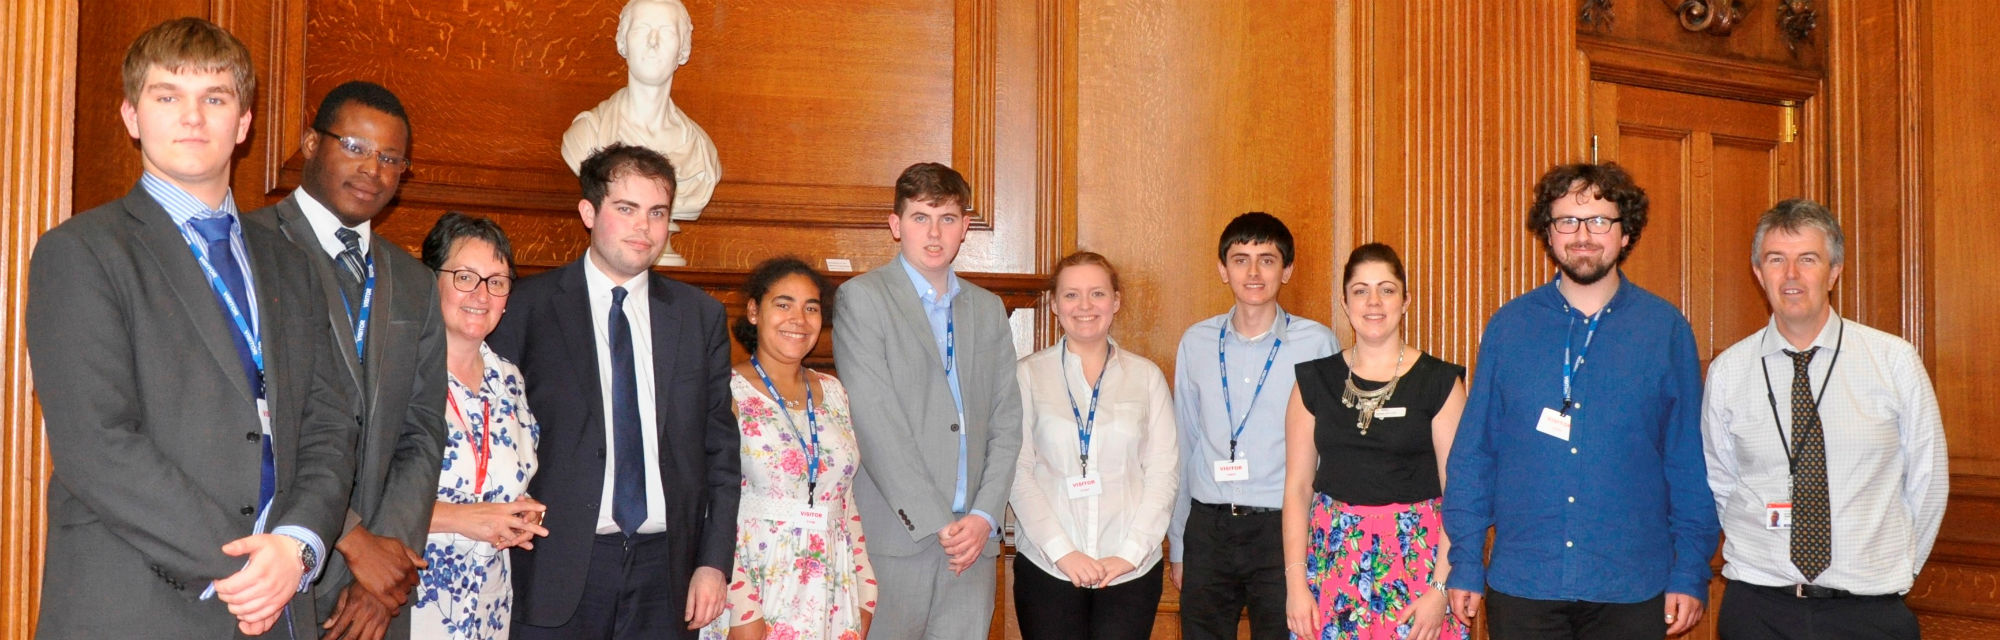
{"points": [[387, 327], [928, 360], [199, 422]]}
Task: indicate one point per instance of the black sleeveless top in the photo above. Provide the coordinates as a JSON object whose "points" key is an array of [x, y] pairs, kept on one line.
{"points": [[1396, 462]]}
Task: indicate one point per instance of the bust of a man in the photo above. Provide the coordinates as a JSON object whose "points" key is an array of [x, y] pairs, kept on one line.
{"points": [[654, 38]]}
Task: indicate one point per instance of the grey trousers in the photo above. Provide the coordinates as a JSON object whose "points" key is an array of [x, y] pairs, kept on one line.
{"points": [[918, 597]]}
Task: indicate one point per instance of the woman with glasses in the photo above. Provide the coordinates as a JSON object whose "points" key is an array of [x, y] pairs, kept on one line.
{"points": [[1099, 467], [802, 570], [482, 505], [1365, 444]]}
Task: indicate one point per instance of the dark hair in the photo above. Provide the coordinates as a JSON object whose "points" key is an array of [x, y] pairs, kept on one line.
{"points": [[453, 227], [1798, 214], [368, 94], [1255, 227], [189, 44], [607, 164], [1081, 258], [1374, 252], [758, 285], [1609, 182], [932, 183]]}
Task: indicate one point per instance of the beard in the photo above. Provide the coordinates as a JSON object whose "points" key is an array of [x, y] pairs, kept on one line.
{"points": [[1582, 270]]}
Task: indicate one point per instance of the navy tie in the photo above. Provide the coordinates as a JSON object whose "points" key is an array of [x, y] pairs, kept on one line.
{"points": [[215, 230], [628, 484]]}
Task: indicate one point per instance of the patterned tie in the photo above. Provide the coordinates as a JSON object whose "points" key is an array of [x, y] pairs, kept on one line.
{"points": [[215, 230], [1812, 517], [628, 482], [350, 264]]}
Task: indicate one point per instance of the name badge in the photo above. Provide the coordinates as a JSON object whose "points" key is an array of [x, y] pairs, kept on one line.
{"points": [[1236, 470], [1777, 515], [1554, 423], [1084, 487], [1391, 412], [793, 515], [809, 518], [264, 415]]}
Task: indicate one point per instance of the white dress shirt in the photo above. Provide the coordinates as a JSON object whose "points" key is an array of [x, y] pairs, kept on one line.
{"points": [[1885, 456], [324, 223], [1134, 451], [639, 313]]}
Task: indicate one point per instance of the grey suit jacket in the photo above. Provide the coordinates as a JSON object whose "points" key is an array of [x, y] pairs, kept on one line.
{"points": [[153, 430], [904, 417], [401, 400]]}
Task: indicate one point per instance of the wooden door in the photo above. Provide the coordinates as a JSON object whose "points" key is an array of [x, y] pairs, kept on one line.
{"points": [[1710, 166]]}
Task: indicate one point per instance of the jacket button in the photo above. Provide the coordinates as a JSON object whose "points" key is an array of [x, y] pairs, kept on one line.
{"points": [[248, 510], [253, 436], [954, 427]]}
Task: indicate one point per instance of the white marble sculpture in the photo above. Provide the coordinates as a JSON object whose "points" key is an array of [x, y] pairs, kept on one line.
{"points": [[654, 38]]}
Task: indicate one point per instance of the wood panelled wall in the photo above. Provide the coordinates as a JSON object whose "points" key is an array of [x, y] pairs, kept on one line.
{"points": [[1136, 129]]}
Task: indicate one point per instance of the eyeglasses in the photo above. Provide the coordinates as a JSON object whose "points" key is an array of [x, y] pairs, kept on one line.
{"points": [[358, 148], [468, 281], [1598, 225]]}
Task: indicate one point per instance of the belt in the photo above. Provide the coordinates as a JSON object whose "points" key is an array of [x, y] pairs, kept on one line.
{"points": [[1815, 592], [1237, 509]]}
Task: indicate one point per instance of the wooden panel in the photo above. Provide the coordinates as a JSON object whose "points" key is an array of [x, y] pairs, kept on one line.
{"points": [[37, 97], [1653, 25], [1959, 99]]}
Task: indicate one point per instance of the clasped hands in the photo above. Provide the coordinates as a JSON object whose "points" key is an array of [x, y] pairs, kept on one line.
{"points": [[1092, 573], [962, 541]]}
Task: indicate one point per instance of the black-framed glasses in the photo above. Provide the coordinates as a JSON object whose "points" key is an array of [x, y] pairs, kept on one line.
{"points": [[467, 280], [1598, 225], [358, 148]]}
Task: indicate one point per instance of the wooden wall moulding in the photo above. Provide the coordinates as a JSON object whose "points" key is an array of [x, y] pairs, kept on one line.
{"points": [[1715, 17], [814, 108], [1797, 20], [1640, 65]]}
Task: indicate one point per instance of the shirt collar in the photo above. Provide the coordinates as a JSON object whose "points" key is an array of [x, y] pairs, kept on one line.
{"points": [[600, 284], [1279, 325], [324, 223], [181, 205], [1774, 343], [925, 291]]}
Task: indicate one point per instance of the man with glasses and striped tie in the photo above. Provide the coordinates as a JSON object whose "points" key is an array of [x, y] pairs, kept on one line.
{"points": [[383, 311]]}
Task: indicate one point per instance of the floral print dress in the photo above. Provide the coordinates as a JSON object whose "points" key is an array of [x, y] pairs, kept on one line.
{"points": [[806, 584], [467, 592]]}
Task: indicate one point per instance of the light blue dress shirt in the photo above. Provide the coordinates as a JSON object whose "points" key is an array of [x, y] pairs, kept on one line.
{"points": [[937, 309]]}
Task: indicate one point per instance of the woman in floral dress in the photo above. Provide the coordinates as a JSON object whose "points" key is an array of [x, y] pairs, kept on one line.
{"points": [[802, 570], [482, 505], [1365, 444]]}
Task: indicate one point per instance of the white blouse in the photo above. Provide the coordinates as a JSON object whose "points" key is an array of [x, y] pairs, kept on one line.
{"points": [[1134, 454]]}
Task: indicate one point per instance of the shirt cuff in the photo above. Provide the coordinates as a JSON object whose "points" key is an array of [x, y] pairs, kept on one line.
{"points": [[307, 537], [991, 524]]}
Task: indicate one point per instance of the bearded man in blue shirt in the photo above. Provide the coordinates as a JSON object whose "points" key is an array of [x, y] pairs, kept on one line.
{"points": [[1581, 442]]}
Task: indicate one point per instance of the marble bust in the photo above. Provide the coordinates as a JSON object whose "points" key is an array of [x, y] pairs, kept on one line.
{"points": [[654, 39]]}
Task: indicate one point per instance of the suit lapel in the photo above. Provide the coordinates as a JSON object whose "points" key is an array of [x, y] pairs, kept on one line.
{"points": [[160, 237], [380, 315], [910, 311], [283, 401], [665, 323], [573, 310], [292, 222]]}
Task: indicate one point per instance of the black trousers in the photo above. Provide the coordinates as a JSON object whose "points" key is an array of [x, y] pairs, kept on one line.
{"points": [[1230, 562], [629, 592], [1751, 612], [1050, 608], [1512, 618]]}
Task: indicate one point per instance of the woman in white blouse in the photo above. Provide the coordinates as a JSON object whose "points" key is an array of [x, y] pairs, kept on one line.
{"points": [[1094, 486]]}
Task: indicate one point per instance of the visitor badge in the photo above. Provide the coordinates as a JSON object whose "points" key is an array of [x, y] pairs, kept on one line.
{"points": [[1391, 412], [1236, 470], [808, 518], [1554, 423], [264, 415], [1084, 487], [1777, 515]]}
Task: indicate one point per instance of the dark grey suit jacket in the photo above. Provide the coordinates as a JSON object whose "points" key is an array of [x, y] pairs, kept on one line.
{"points": [[401, 402], [153, 430]]}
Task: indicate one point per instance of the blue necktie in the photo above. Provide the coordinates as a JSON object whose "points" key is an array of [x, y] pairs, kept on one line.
{"points": [[215, 230], [628, 484]]}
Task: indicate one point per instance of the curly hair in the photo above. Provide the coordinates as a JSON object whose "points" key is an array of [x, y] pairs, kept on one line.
{"points": [[1606, 181], [758, 285]]}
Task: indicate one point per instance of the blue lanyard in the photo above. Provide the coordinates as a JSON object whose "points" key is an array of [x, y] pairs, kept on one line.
{"points": [[1084, 425], [236, 314], [367, 309], [950, 342], [812, 423], [1222, 356], [1573, 365]]}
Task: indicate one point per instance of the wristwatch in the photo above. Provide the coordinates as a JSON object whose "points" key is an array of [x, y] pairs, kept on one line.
{"points": [[308, 558]]}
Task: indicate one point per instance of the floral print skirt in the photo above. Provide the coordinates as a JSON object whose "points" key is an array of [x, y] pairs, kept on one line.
{"points": [[1367, 563]]}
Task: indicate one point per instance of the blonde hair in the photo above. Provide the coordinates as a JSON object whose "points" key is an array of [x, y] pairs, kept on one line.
{"points": [[189, 44], [1081, 258]]}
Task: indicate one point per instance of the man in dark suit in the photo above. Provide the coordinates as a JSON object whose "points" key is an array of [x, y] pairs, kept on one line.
{"points": [[198, 420], [383, 308], [628, 372]]}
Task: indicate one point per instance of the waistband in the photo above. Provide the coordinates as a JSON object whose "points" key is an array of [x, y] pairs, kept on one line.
{"points": [[1814, 592], [1237, 509]]}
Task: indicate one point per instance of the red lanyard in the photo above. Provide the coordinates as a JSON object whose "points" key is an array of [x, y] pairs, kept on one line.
{"points": [[480, 454]]}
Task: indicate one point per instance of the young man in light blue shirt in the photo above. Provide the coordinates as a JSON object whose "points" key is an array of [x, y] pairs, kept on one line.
{"points": [[1232, 378]]}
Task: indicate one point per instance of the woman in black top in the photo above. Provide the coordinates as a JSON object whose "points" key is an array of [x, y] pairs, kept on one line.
{"points": [[1365, 442]]}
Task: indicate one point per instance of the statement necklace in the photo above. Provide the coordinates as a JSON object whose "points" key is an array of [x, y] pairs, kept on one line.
{"points": [[1368, 401]]}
